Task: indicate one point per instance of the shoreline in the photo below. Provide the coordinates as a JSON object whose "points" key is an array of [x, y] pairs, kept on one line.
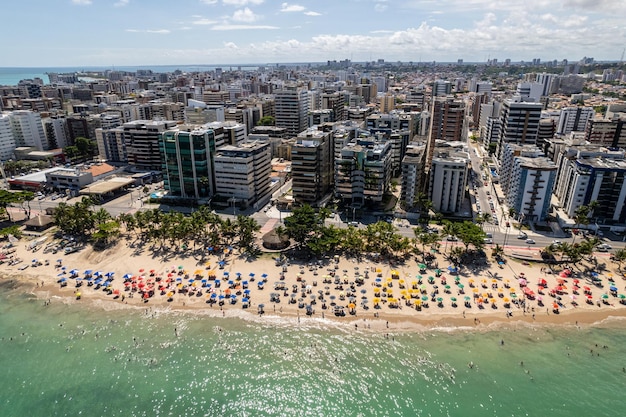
{"points": [[128, 259]]}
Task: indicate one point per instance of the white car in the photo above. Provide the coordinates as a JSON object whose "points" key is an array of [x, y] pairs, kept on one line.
{"points": [[530, 242]]}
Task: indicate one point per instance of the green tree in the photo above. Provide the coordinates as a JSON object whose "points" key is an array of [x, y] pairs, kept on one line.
{"points": [[302, 225], [246, 228], [471, 234], [267, 121]]}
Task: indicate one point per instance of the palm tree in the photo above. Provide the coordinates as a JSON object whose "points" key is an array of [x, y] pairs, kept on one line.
{"points": [[619, 256]]}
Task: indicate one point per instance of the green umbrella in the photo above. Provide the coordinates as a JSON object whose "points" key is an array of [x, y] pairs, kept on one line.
{"points": [[425, 298], [467, 298], [418, 277], [513, 295], [622, 296], [605, 296], [461, 286], [180, 267], [439, 299], [431, 279], [453, 299], [447, 287], [438, 271], [422, 287], [422, 266], [457, 279]]}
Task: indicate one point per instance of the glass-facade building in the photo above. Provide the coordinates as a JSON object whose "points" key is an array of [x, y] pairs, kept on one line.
{"points": [[187, 161]]}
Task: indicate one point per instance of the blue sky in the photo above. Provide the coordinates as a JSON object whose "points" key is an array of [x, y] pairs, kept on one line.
{"points": [[169, 32]]}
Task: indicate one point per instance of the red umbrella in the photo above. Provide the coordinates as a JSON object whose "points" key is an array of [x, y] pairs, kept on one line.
{"points": [[127, 283], [116, 292], [146, 295], [586, 288], [543, 282], [576, 281], [141, 270]]}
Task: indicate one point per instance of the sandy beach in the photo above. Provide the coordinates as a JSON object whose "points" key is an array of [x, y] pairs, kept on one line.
{"points": [[374, 295]]}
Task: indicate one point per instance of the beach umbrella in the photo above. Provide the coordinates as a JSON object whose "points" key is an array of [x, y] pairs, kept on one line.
{"points": [[424, 298], [180, 267], [613, 288], [453, 299], [422, 266], [605, 296], [88, 272], [461, 286], [439, 299], [467, 298]]}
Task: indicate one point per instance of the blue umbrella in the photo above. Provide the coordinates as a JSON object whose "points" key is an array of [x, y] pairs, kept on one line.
{"points": [[204, 281], [217, 282], [127, 276], [89, 279], [60, 275], [238, 274], [63, 280], [213, 296], [79, 279], [244, 282], [246, 292], [179, 279], [88, 272], [260, 284], [34, 261], [264, 276], [210, 248], [221, 263], [226, 273], [251, 274], [221, 297], [244, 300], [59, 260], [109, 274], [613, 288], [191, 281], [231, 282]]}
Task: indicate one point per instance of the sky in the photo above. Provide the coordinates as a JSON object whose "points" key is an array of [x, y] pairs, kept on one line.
{"points": [[46, 33]]}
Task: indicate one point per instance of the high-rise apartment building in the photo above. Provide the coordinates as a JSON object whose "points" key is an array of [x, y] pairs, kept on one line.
{"points": [[574, 119], [187, 162], [28, 130], [142, 143], [7, 141], [446, 123], [242, 173], [291, 108], [607, 132], [412, 174], [363, 172], [520, 124], [447, 180], [111, 144], [311, 167]]}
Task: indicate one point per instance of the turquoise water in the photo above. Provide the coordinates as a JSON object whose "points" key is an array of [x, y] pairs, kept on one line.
{"points": [[61, 360]]}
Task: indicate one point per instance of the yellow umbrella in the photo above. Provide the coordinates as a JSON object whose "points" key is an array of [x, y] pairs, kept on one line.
{"points": [[197, 272], [414, 284], [475, 290], [389, 291], [351, 306], [418, 302], [493, 300], [378, 270], [376, 300], [376, 290], [171, 294], [506, 300], [404, 292]]}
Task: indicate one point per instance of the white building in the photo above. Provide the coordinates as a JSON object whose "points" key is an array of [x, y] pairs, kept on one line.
{"points": [[574, 119], [292, 108], [531, 184], [242, 173], [28, 129], [7, 140], [448, 178]]}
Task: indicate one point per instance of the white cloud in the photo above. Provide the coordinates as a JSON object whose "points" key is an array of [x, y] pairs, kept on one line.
{"points": [[312, 13], [230, 45], [82, 2], [240, 3], [227, 26], [288, 8], [208, 1], [244, 15], [381, 5], [157, 31], [121, 3], [204, 21]]}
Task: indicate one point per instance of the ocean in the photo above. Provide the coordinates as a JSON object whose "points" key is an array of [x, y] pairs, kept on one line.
{"points": [[13, 75], [72, 360]]}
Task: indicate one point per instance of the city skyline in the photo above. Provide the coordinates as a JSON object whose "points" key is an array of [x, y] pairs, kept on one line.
{"points": [[135, 32]]}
